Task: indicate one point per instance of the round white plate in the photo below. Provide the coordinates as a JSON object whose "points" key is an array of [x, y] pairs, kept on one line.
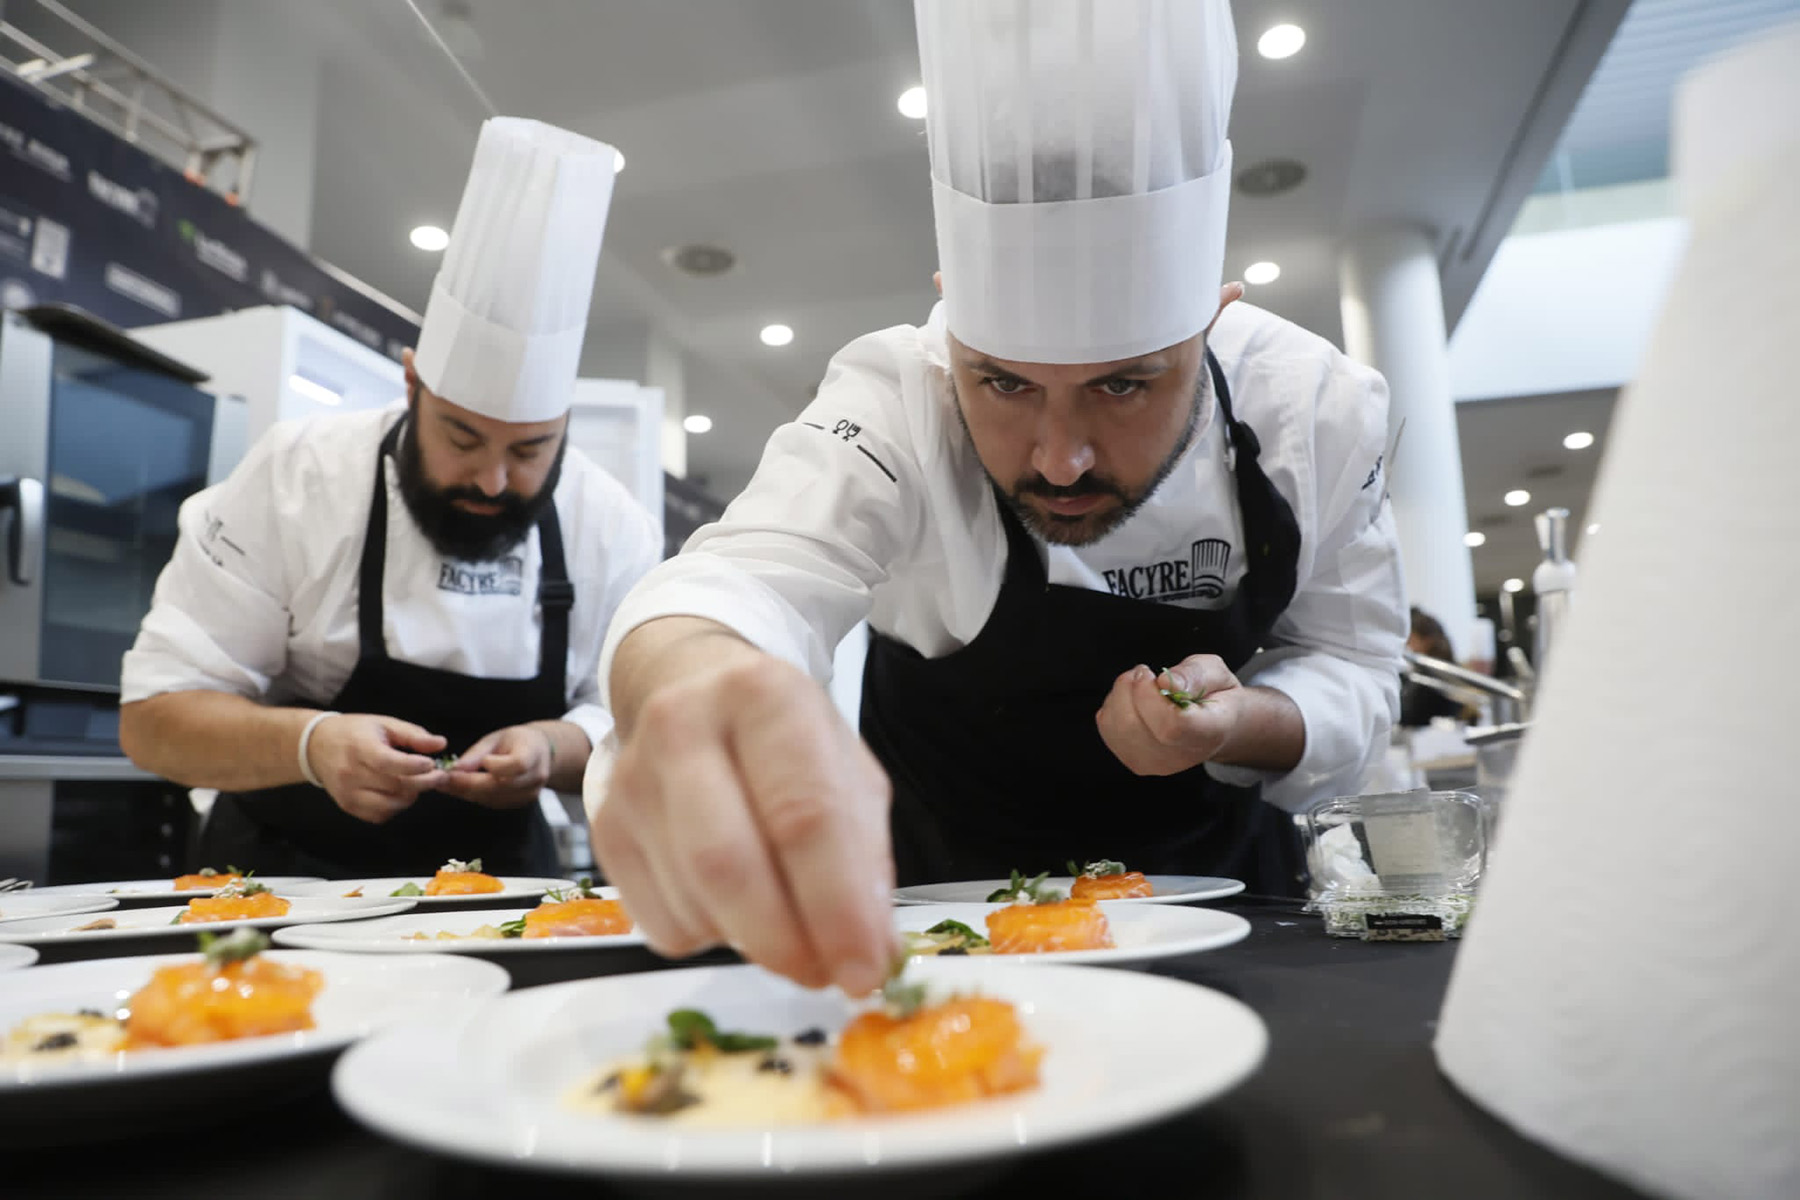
{"points": [[131, 889], [160, 922], [361, 994], [518, 887], [388, 935], [14, 957], [23, 906], [1170, 889], [489, 1086], [1140, 932]]}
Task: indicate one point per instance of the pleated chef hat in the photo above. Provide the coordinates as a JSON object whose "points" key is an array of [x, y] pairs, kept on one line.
{"points": [[1080, 170], [504, 325]]}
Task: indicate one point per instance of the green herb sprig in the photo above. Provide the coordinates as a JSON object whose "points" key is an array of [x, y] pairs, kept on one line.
{"points": [[1021, 888], [1098, 868], [689, 1028], [237, 946], [409, 888]]}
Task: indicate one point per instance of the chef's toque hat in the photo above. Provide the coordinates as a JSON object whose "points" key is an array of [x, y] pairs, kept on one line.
{"points": [[508, 310], [1080, 170]]}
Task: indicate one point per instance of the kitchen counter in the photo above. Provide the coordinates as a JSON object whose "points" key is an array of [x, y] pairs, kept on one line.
{"points": [[1348, 1106]]}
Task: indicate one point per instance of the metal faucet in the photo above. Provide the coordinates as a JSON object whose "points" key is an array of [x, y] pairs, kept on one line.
{"points": [[1511, 705]]}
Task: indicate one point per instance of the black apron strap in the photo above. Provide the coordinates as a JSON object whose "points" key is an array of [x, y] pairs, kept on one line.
{"points": [[556, 596], [1271, 532], [369, 612]]}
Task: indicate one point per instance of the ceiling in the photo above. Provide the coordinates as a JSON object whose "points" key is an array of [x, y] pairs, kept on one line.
{"points": [[1517, 443], [769, 127]]}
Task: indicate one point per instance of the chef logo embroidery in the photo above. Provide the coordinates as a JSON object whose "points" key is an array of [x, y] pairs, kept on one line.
{"points": [[1201, 575], [503, 577]]}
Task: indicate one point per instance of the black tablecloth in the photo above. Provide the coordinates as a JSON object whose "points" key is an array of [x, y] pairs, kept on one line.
{"points": [[1348, 1106]]}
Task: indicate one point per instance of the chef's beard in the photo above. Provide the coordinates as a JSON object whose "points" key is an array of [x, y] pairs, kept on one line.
{"points": [[457, 533], [1088, 528]]}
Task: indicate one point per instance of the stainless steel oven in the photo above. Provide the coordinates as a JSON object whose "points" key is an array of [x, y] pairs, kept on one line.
{"points": [[101, 439]]}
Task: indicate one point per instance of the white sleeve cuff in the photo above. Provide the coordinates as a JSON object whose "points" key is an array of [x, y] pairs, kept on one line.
{"points": [[592, 720]]}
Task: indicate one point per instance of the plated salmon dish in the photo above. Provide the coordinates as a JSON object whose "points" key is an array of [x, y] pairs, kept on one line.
{"points": [[574, 912], [240, 900], [908, 1054], [1107, 879], [455, 878], [206, 879], [230, 992]]}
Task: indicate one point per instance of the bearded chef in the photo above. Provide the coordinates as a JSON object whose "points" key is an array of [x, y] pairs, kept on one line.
{"points": [[368, 594], [1088, 480]]}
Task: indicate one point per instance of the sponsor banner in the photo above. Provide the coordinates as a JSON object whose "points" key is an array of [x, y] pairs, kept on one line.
{"points": [[91, 220]]}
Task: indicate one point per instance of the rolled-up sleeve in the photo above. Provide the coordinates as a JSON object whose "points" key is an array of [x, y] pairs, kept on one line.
{"points": [[834, 504], [218, 620], [1336, 651]]}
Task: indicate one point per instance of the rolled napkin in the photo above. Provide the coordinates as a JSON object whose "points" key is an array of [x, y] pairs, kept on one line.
{"points": [[1629, 989]]}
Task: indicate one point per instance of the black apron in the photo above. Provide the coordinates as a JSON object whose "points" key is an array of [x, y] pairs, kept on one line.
{"points": [[993, 752], [298, 829]]}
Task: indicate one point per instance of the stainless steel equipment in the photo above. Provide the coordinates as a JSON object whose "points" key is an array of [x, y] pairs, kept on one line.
{"points": [[1511, 704], [1552, 582]]}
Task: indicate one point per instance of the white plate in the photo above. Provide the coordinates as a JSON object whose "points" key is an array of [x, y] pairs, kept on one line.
{"points": [[518, 887], [489, 1086], [159, 922], [1140, 932], [14, 957], [388, 935], [22, 906], [361, 994], [129, 889], [1170, 889]]}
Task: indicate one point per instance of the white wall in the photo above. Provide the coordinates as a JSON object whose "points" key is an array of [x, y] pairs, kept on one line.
{"points": [[1565, 311]]}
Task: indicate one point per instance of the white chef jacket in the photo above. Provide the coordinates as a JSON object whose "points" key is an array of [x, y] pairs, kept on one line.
{"points": [[873, 504], [260, 596]]}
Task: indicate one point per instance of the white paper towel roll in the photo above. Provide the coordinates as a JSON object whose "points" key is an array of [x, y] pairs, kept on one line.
{"points": [[1629, 989]]}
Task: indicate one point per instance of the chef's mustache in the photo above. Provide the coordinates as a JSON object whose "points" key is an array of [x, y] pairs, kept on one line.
{"points": [[511, 503], [1087, 485]]}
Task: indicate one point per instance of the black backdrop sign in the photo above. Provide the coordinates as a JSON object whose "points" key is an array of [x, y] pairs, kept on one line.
{"points": [[88, 219]]}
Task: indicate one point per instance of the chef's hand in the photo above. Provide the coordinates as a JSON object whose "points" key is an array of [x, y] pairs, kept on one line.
{"points": [[742, 810], [373, 766], [505, 769], [1154, 736]]}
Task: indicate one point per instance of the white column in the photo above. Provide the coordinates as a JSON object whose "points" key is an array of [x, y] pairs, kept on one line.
{"points": [[1393, 310], [664, 368]]}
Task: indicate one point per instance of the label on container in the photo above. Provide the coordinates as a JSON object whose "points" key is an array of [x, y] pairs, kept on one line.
{"points": [[1403, 927]]}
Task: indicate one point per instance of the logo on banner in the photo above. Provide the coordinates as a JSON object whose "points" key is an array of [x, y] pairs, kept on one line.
{"points": [[137, 203], [1201, 575], [50, 249], [152, 295], [38, 154], [506, 577], [283, 293], [214, 253]]}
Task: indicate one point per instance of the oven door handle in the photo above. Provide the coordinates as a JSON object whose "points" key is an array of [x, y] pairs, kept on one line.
{"points": [[23, 500]]}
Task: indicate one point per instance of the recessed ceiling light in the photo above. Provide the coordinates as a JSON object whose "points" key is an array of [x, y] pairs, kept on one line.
{"points": [[1517, 497], [912, 103], [1474, 538], [696, 423], [1262, 272], [1579, 440], [1281, 41], [1594, 528], [618, 160], [429, 237], [776, 335], [1514, 585]]}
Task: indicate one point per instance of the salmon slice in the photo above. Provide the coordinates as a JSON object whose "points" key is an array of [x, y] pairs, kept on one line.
{"points": [[233, 908], [966, 1048], [197, 1002], [201, 880], [585, 916], [1038, 928], [462, 883], [1124, 886]]}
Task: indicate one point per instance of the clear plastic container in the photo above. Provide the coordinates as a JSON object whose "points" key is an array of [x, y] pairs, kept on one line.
{"points": [[1397, 865]]}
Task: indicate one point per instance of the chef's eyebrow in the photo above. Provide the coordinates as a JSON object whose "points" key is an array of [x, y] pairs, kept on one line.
{"points": [[1142, 369], [470, 431]]}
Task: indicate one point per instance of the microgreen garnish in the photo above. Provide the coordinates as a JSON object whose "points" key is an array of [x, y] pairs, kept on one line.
{"points": [[900, 998], [409, 888], [1179, 698], [512, 929], [689, 1028], [1098, 868], [457, 866], [445, 762], [1021, 888], [238, 945], [583, 890]]}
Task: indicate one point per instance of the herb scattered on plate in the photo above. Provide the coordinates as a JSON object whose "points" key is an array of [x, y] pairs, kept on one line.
{"points": [[1021, 888], [409, 888]]}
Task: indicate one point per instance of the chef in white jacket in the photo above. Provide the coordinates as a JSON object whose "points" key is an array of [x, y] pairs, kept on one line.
{"points": [[368, 594], [1089, 464]]}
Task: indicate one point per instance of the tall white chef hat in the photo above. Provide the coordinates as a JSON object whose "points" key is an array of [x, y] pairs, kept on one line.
{"points": [[503, 329], [1080, 170]]}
